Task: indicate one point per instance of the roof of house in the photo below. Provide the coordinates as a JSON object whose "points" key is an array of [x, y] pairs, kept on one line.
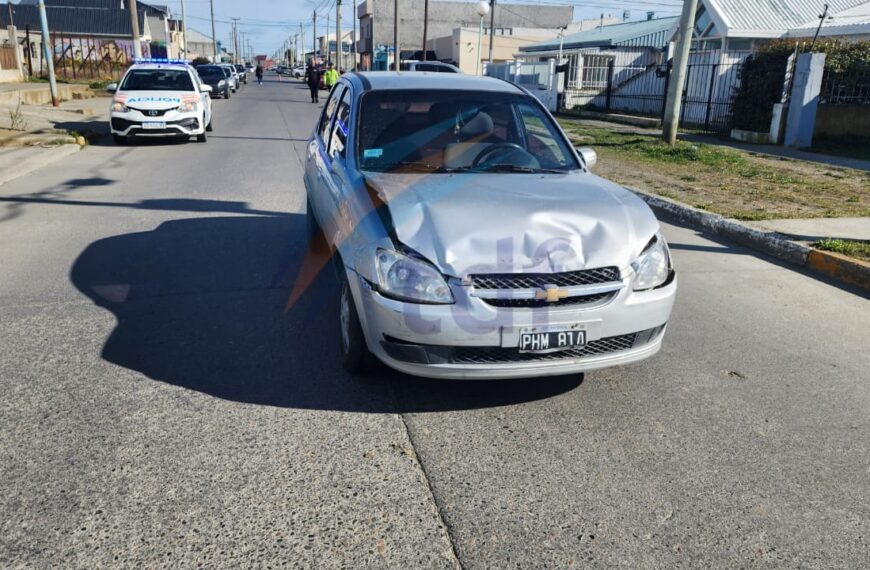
{"points": [[76, 17], [769, 18], [195, 36], [646, 33], [853, 21]]}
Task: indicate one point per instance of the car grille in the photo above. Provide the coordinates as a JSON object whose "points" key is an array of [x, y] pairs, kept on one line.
{"points": [[510, 281], [120, 124], [537, 280], [148, 112], [496, 354], [538, 303]]}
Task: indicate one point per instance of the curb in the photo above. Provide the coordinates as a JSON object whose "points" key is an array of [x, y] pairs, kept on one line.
{"points": [[834, 266], [39, 158]]}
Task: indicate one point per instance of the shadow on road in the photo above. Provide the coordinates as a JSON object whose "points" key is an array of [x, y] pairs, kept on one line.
{"points": [[200, 303]]}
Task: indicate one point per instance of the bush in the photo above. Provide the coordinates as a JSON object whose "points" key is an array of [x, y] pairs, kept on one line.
{"points": [[201, 61], [762, 77]]}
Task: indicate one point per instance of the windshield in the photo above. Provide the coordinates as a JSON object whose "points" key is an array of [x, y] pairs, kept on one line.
{"points": [[449, 131], [157, 80], [213, 73]]}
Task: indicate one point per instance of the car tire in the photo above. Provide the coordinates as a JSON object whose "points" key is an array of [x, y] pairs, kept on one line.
{"points": [[119, 139], [227, 94], [355, 355], [202, 138], [208, 127]]}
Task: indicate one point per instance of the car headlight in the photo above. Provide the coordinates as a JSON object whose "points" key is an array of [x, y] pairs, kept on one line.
{"points": [[189, 107], [653, 265], [119, 107], [409, 279], [221, 83]]}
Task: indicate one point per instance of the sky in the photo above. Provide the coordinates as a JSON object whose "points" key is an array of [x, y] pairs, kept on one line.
{"points": [[267, 23]]}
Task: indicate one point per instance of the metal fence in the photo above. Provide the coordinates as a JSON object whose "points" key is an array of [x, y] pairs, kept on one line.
{"points": [[845, 89], [636, 82]]}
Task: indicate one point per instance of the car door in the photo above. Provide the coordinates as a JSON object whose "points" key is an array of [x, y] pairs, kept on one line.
{"points": [[318, 163], [335, 179]]}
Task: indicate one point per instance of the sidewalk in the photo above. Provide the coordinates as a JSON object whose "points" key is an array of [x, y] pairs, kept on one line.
{"points": [[816, 229], [46, 124]]}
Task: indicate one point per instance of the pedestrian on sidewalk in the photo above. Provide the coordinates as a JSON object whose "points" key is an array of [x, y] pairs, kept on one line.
{"points": [[312, 78], [259, 73]]}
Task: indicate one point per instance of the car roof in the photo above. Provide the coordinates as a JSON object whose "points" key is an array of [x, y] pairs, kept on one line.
{"points": [[383, 80]]}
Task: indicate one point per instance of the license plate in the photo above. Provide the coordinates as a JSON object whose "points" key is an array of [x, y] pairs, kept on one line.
{"points": [[551, 341], [154, 125]]}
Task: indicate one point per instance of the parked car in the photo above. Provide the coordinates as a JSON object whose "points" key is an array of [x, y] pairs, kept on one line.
{"points": [[472, 240], [298, 71], [435, 66], [160, 98], [216, 77], [242, 73], [281, 70], [233, 75]]}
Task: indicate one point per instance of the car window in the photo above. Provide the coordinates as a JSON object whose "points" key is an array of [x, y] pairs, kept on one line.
{"points": [[338, 140], [329, 111], [541, 136], [445, 131], [213, 73], [157, 80]]}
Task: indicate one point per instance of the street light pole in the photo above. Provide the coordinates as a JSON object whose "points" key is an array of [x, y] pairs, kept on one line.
{"points": [[338, 50], [395, 36], [482, 11]]}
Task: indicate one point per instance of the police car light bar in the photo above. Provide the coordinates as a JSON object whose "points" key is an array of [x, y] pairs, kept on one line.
{"points": [[161, 60]]}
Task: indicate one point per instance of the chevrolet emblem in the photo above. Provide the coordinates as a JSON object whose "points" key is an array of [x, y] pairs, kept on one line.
{"points": [[551, 294]]}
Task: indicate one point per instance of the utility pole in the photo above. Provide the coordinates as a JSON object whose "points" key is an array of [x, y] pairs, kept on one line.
{"points": [[134, 26], [183, 30], [491, 26], [326, 40], [338, 50], [213, 34], [678, 73], [235, 40], [395, 37], [353, 38], [425, 25], [314, 42], [47, 53]]}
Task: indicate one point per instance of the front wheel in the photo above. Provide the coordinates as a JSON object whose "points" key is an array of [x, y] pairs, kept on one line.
{"points": [[208, 127], [355, 355], [119, 139], [202, 138]]}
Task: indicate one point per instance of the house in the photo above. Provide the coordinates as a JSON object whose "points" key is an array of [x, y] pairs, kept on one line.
{"points": [[199, 45], [730, 25], [852, 24], [91, 38], [461, 46], [375, 42], [623, 60]]}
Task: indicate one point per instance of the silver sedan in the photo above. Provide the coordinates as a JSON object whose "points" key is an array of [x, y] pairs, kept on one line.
{"points": [[471, 239]]}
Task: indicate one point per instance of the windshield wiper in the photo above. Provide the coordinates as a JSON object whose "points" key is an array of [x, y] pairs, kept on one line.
{"points": [[517, 168]]}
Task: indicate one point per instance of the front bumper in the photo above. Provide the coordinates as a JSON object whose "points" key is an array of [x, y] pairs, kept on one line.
{"points": [[474, 340], [177, 124]]}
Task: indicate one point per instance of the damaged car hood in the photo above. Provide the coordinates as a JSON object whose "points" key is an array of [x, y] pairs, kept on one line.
{"points": [[515, 223]]}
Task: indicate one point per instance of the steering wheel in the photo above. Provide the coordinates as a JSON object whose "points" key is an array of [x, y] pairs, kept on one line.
{"points": [[502, 146]]}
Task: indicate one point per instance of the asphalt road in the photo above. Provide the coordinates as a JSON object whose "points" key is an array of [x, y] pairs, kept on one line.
{"points": [[161, 408]]}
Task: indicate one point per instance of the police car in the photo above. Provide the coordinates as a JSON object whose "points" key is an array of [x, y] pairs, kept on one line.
{"points": [[160, 98]]}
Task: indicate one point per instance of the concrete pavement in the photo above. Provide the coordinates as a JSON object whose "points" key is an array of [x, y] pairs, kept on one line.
{"points": [[162, 409]]}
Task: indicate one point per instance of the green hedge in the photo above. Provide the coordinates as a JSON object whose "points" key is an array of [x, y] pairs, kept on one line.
{"points": [[763, 74]]}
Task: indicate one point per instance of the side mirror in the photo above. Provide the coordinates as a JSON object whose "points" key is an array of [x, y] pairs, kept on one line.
{"points": [[112, 87], [205, 88], [589, 156]]}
